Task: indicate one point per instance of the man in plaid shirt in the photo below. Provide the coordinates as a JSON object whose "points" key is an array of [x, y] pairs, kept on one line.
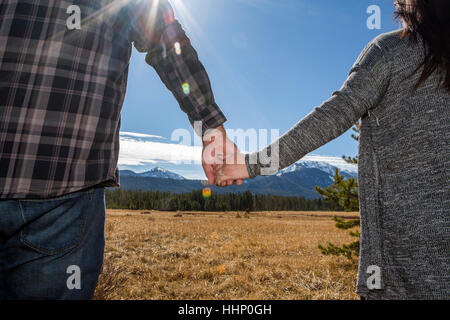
{"points": [[62, 86]]}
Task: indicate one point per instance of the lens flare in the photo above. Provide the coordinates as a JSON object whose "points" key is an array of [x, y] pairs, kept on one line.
{"points": [[177, 48], [186, 88], [207, 193]]}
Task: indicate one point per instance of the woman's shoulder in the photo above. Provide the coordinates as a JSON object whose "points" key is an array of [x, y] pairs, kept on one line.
{"points": [[378, 53], [391, 42]]}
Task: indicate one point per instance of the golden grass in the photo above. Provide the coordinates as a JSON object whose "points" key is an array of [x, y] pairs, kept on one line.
{"points": [[164, 255]]}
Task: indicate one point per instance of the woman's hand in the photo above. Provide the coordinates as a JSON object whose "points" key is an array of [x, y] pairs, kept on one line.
{"points": [[234, 169]]}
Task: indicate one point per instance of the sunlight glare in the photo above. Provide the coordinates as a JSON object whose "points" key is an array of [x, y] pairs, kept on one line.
{"points": [[186, 88], [177, 47]]}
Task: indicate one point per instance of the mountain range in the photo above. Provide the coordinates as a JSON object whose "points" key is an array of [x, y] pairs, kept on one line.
{"points": [[299, 179], [154, 173]]}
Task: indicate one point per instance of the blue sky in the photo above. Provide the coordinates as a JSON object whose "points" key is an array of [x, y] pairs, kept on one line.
{"points": [[270, 63]]}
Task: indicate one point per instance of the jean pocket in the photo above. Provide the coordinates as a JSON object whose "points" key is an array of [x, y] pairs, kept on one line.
{"points": [[55, 226]]}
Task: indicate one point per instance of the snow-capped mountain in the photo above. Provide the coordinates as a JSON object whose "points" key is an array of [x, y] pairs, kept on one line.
{"points": [[154, 173], [325, 164]]}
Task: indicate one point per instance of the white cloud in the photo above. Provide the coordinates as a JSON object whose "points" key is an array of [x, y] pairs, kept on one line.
{"points": [[139, 135], [136, 150]]}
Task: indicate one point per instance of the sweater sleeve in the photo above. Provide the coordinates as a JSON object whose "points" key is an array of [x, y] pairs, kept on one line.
{"points": [[364, 88]]}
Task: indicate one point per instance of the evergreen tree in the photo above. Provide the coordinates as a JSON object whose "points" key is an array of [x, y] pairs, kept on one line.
{"points": [[247, 201], [348, 250], [344, 192]]}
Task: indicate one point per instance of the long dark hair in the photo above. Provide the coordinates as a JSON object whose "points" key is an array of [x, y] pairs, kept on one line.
{"points": [[431, 20]]}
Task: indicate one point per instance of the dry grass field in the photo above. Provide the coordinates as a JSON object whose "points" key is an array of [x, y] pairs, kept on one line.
{"points": [[167, 255]]}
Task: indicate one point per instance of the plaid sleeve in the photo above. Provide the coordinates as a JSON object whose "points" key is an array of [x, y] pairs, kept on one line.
{"points": [[170, 53]]}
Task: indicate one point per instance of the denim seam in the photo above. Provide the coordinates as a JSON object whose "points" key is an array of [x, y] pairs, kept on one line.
{"points": [[22, 214]]}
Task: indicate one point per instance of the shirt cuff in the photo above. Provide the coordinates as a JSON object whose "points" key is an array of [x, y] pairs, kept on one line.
{"points": [[212, 119], [253, 166]]}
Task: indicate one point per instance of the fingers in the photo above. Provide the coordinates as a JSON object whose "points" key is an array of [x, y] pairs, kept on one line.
{"points": [[222, 181], [209, 172], [229, 183]]}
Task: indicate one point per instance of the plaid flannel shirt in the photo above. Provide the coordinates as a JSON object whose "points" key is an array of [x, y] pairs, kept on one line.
{"points": [[62, 89]]}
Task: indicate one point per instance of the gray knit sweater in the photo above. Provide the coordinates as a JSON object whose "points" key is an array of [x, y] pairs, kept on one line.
{"points": [[404, 168]]}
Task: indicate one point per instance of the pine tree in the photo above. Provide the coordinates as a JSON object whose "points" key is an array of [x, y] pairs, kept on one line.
{"points": [[348, 250], [344, 192], [247, 202]]}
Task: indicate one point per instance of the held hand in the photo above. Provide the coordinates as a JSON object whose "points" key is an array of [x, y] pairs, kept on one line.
{"points": [[218, 150], [236, 170]]}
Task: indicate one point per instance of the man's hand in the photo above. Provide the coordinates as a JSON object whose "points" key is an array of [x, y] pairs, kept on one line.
{"points": [[236, 170], [217, 151]]}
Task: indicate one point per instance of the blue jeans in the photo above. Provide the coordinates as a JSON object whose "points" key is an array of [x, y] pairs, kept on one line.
{"points": [[52, 248]]}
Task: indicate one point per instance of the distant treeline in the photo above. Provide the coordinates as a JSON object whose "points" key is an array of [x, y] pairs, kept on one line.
{"points": [[194, 201]]}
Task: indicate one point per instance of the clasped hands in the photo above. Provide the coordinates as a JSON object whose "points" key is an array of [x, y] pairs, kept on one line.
{"points": [[222, 161]]}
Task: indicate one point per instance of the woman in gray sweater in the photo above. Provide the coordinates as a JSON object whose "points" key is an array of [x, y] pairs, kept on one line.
{"points": [[400, 89]]}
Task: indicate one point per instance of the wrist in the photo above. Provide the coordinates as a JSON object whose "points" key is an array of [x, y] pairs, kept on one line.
{"points": [[210, 135], [243, 170], [252, 165]]}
